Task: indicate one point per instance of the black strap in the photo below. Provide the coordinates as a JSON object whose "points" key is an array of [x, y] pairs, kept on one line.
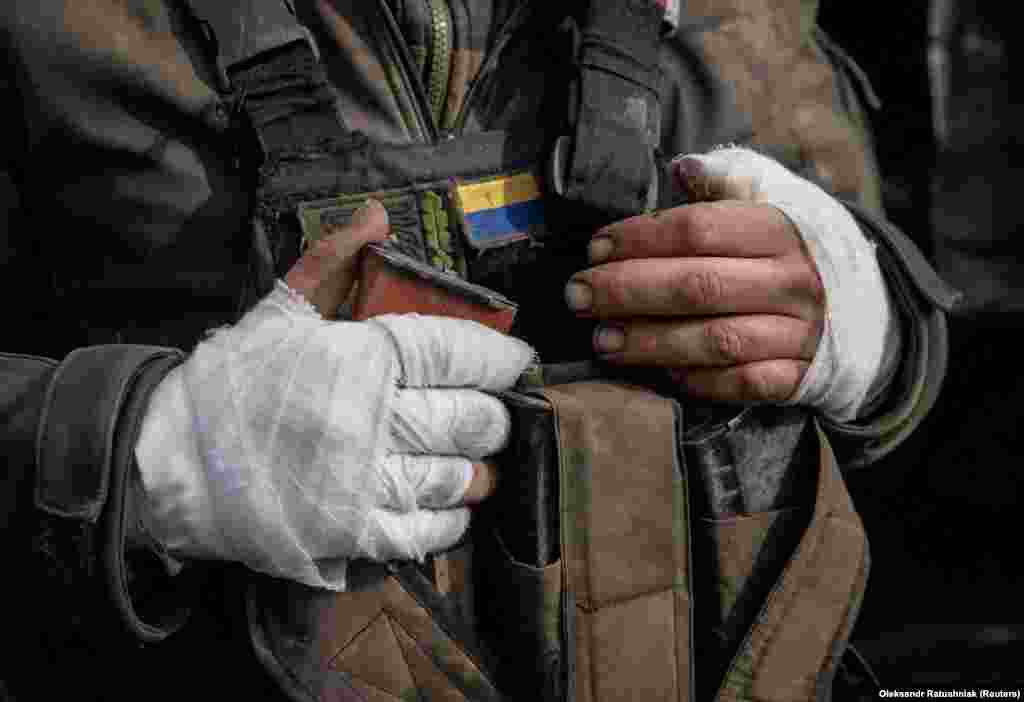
{"points": [[609, 161], [242, 31], [84, 459]]}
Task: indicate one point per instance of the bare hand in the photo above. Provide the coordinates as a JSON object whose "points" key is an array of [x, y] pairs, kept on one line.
{"points": [[723, 294]]}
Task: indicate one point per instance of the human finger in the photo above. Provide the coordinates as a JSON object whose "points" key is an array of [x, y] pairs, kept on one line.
{"points": [[697, 286], [325, 273], [707, 341], [435, 482], [412, 535], [723, 174], [455, 353], [771, 381], [730, 228], [450, 421]]}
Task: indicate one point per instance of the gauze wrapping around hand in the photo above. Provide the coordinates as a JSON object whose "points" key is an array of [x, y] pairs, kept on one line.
{"points": [[860, 343], [292, 444]]}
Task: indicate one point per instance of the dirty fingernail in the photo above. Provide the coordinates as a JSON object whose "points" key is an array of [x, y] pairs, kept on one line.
{"points": [[600, 248], [578, 296], [608, 339], [688, 169]]}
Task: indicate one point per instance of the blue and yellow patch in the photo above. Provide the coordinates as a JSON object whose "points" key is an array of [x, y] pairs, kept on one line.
{"points": [[501, 210]]}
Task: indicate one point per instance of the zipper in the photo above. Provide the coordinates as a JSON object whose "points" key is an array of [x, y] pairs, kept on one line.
{"points": [[423, 97], [420, 100], [439, 57]]}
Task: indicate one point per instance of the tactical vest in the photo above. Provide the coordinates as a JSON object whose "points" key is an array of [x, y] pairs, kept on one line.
{"points": [[639, 547]]}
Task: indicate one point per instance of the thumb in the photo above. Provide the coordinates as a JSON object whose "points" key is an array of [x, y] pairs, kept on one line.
{"points": [[724, 174], [325, 273]]}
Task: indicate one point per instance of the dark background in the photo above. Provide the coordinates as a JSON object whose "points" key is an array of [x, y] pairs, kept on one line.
{"points": [[945, 602]]}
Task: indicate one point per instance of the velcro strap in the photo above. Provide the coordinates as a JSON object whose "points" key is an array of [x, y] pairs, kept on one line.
{"points": [[75, 444], [84, 459], [611, 160], [625, 542]]}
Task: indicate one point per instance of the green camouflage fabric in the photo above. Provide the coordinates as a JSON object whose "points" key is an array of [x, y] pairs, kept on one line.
{"points": [[799, 90], [361, 54]]}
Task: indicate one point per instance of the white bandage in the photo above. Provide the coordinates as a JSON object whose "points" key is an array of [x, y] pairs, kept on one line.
{"points": [[285, 443], [860, 342]]}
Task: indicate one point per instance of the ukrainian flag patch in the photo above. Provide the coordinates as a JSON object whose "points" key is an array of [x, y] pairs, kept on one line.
{"points": [[500, 210]]}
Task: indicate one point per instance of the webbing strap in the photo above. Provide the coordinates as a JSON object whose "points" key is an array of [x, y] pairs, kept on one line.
{"points": [[608, 162], [625, 543], [791, 653], [270, 62], [245, 30]]}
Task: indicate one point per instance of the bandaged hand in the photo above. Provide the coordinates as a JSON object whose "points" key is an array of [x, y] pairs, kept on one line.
{"points": [[763, 290], [292, 443]]}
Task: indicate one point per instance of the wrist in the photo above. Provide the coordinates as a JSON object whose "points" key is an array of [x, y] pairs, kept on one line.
{"points": [[174, 503]]}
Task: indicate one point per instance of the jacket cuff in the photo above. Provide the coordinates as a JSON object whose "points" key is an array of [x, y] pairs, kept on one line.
{"points": [[85, 467], [923, 299]]}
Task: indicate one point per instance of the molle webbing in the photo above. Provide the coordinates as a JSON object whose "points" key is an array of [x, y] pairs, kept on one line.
{"points": [[625, 547]]}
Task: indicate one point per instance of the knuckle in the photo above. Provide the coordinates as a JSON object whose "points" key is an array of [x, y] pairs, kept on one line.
{"points": [[703, 288], [725, 343], [615, 285], [696, 225]]}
